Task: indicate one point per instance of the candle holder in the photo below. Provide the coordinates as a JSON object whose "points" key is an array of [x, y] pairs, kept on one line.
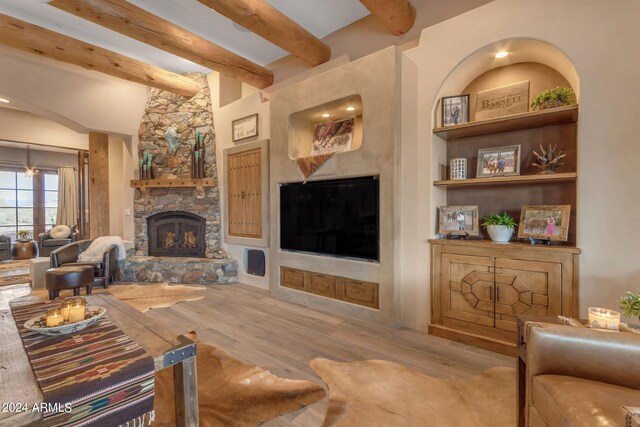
{"points": [[54, 317], [77, 310], [603, 318], [65, 307]]}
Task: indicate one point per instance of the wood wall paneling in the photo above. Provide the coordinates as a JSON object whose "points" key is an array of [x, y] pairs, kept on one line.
{"points": [[98, 184]]}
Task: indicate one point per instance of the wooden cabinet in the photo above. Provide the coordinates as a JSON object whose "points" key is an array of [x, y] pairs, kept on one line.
{"points": [[244, 197], [349, 290], [479, 287]]}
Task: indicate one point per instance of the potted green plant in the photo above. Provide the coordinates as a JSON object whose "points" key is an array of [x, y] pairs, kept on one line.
{"points": [[23, 236], [552, 98], [499, 227], [630, 303]]}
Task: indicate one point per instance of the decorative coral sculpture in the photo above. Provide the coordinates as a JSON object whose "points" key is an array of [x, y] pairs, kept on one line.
{"points": [[548, 160]]}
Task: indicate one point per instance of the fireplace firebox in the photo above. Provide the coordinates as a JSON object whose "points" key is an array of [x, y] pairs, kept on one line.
{"points": [[176, 234]]}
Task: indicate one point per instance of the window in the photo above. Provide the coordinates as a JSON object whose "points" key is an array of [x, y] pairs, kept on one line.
{"points": [[27, 203]]}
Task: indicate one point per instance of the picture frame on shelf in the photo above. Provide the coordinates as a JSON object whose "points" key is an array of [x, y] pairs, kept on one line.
{"points": [[244, 128], [455, 110], [498, 161], [458, 221], [545, 222]]}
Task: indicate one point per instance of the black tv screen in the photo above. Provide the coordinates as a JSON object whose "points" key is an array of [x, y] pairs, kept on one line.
{"points": [[337, 217]]}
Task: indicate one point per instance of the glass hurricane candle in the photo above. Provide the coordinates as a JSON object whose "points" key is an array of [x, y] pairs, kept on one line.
{"points": [[54, 317], [603, 318], [77, 309]]}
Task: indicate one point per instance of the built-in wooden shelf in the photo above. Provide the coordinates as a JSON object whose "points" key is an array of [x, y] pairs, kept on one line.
{"points": [[529, 120], [510, 180], [172, 183]]}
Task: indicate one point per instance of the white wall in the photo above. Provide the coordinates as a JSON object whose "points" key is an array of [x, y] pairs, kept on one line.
{"points": [[68, 102], [222, 117], [21, 126], [600, 41]]}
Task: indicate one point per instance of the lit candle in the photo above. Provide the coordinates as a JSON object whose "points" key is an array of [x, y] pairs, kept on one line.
{"points": [[66, 306], [54, 317], [603, 318], [76, 312]]}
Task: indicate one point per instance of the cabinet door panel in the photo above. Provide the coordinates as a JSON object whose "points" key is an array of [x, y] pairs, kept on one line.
{"points": [[526, 287], [468, 288], [245, 194]]}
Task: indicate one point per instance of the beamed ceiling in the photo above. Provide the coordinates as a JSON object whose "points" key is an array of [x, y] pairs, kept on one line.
{"points": [[149, 41]]}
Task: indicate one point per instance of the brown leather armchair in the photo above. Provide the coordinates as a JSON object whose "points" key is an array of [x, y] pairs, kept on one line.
{"points": [[105, 271], [580, 377]]}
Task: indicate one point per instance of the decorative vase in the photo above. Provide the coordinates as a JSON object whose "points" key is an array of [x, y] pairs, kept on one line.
{"points": [[500, 233]]}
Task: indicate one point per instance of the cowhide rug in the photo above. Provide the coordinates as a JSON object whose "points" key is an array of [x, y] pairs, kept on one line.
{"points": [[155, 295], [231, 393], [380, 393]]}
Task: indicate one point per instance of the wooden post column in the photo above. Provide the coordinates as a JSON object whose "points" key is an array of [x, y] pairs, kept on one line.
{"points": [[98, 184]]}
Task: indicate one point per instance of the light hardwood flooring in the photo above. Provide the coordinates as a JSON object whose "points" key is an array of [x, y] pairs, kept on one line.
{"points": [[283, 337]]}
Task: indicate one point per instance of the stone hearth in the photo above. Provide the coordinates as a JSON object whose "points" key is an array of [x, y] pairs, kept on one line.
{"points": [[164, 111]]}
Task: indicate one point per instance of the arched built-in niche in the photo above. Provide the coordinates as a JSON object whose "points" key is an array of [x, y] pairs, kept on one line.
{"points": [[545, 67]]}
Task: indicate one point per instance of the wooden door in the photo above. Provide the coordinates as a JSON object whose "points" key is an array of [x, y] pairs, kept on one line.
{"points": [[467, 288], [245, 193], [526, 287]]}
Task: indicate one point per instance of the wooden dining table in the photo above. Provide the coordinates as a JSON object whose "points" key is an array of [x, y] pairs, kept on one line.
{"points": [[19, 390]]}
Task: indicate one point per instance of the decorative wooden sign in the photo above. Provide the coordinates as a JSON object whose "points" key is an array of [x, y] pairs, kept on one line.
{"points": [[502, 101], [244, 128]]}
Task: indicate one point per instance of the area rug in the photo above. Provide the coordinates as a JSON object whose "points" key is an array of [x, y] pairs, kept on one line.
{"points": [[380, 393], [155, 295], [14, 272], [232, 393]]}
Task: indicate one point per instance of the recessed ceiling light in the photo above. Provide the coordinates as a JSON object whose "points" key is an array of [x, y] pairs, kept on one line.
{"points": [[325, 115], [501, 54], [6, 101], [351, 108]]}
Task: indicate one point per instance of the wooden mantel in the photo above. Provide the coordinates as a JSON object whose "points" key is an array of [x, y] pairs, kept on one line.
{"points": [[174, 183]]}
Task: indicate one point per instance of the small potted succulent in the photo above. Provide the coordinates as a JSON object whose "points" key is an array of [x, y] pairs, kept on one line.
{"points": [[500, 227], [630, 303], [23, 236], [552, 98]]}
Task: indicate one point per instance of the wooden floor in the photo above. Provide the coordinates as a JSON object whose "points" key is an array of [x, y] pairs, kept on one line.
{"points": [[284, 337]]}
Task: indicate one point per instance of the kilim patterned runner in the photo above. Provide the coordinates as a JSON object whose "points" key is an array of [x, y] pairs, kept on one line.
{"points": [[95, 377]]}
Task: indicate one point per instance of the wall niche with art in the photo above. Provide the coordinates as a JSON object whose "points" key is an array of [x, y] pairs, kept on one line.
{"points": [[329, 128], [504, 142]]}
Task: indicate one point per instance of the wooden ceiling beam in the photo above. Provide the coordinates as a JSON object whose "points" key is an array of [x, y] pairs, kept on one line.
{"points": [[398, 16], [132, 21], [32, 38], [274, 26]]}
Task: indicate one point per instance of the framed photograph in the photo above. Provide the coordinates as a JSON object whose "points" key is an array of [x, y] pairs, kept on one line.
{"points": [[458, 220], [499, 161], [244, 128], [455, 110], [333, 137], [545, 222]]}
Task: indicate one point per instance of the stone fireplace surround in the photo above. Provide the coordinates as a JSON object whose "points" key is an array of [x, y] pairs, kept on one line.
{"points": [[166, 110]]}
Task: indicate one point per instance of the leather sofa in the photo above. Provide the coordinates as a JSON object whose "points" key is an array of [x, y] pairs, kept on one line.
{"points": [[47, 244], [579, 376], [5, 248], [105, 270]]}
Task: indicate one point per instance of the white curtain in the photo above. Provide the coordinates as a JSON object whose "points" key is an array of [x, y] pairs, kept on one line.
{"points": [[67, 197]]}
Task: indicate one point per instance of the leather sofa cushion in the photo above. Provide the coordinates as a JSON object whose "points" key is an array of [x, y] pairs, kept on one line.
{"points": [[570, 401], [55, 242]]}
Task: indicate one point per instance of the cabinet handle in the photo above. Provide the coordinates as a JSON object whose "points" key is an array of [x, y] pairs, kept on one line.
{"points": [[491, 294]]}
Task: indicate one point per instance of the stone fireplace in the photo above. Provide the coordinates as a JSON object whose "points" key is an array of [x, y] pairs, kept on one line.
{"points": [[176, 234], [177, 229]]}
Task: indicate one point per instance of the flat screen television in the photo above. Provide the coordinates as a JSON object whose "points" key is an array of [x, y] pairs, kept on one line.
{"points": [[339, 217]]}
